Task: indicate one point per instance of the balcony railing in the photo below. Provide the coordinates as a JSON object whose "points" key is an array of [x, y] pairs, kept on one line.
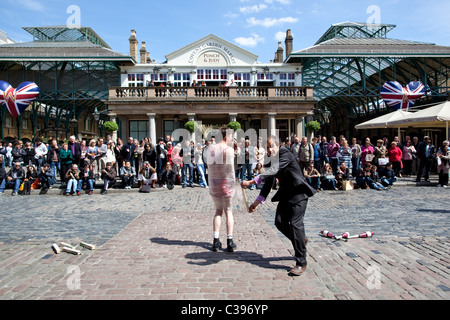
{"points": [[207, 93]]}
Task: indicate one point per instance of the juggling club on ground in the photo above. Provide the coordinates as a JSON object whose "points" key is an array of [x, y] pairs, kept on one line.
{"points": [[367, 234], [345, 236], [326, 234]]}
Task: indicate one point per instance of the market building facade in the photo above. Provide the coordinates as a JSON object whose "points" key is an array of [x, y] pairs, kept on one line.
{"points": [[211, 82]]}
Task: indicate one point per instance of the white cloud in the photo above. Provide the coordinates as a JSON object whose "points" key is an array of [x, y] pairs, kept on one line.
{"points": [[250, 41], [279, 1], [254, 8], [31, 5], [270, 22]]}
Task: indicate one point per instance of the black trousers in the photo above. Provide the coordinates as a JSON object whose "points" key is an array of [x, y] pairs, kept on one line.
{"points": [[289, 220]]}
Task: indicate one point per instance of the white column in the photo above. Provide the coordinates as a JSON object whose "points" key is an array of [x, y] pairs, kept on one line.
{"points": [[299, 126], [112, 117], [191, 117], [152, 127], [233, 116], [272, 124]]}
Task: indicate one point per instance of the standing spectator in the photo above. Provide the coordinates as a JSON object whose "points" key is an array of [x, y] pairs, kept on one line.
{"points": [[14, 179], [333, 149], [150, 155], [40, 153], [66, 158], [118, 153], [47, 177], [128, 151], [139, 154], [101, 154], [30, 178], [367, 153], [187, 153], [324, 151], [200, 165], [161, 156], [395, 157], [2, 171], [305, 153], [416, 160], [18, 153], [356, 157], [443, 156], [74, 181], [128, 174], [110, 154], [408, 155], [83, 149], [53, 156], [426, 153], [316, 148], [345, 155], [379, 152], [248, 161], [87, 177], [259, 154], [295, 147], [108, 177], [30, 153], [75, 147], [91, 154]]}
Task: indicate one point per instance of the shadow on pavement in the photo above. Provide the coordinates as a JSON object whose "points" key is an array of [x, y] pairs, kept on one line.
{"points": [[209, 257]]}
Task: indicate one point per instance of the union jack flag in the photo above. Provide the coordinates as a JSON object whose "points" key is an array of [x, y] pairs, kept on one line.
{"points": [[399, 98], [17, 100]]}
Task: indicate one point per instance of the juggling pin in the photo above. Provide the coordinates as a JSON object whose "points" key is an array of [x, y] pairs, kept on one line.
{"points": [[326, 234], [366, 234], [345, 235]]}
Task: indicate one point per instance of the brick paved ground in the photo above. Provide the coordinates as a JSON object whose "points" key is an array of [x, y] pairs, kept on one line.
{"points": [[157, 246]]}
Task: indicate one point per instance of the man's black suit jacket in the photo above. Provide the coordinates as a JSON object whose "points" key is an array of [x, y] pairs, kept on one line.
{"points": [[292, 184]]}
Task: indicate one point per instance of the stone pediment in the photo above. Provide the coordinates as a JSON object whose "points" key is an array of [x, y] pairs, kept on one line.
{"points": [[211, 51]]}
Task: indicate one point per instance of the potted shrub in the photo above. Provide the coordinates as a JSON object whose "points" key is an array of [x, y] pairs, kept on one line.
{"points": [[313, 126], [110, 126], [191, 126], [234, 125]]}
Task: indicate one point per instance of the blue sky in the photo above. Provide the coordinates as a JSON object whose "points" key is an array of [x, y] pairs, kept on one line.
{"points": [[255, 25]]}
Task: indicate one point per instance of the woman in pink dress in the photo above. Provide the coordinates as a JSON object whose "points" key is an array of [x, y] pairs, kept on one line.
{"points": [[366, 149], [221, 180]]}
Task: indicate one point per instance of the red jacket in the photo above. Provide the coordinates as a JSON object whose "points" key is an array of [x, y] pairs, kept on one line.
{"points": [[395, 154]]}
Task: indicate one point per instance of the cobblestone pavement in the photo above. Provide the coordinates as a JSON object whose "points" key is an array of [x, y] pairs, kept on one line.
{"points": [[157, 246]]}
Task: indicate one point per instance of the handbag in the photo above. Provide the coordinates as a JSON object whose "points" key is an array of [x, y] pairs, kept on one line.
{"points": [[347, 185], [383, 161], [146, 188], [369, 157]]}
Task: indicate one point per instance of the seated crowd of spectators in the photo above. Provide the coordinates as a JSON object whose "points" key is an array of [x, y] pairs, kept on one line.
{"points": [[80, 165]]}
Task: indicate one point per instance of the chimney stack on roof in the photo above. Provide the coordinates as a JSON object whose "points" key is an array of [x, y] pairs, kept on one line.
{"points": [[133, 45], [289, 42], [279, 54]]}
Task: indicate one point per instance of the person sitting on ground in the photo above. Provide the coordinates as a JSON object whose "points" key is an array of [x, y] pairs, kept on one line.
{"points": [[363, 179], [342, 175], [74, 181], [147, 175], [2, 171], [376, 178], [328, 178], [127, 173], [312, 176], [46, 177], [14, 179], [167, 177], [87, 177], [108, 177], [30, 177], [387, 175]]}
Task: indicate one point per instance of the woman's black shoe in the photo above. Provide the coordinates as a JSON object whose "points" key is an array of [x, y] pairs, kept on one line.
{"points": [[217, 245], [231, 246]]}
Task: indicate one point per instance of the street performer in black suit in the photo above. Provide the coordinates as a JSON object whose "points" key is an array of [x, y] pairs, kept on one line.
{"points": [[292, 195]]}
